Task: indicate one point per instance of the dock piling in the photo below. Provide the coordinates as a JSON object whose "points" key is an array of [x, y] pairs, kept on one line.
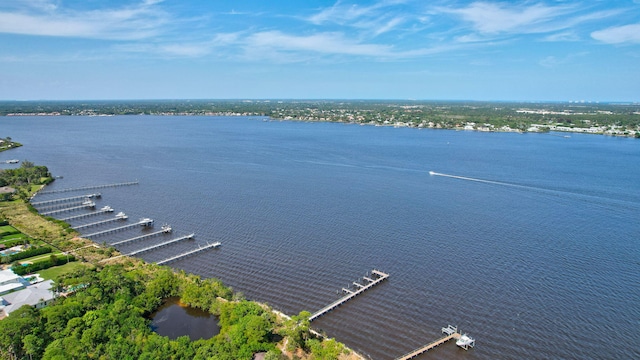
{"points": [[381, 276]]}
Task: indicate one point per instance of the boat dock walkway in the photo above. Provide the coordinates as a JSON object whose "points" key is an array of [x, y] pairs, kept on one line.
{"points": [[139, 237], [98, 223], [89, 187], [379, 277], [51, 207], [54, 201], [179, 256], [451, 333], [86, 215], [143, 222], [85, 205], [188, 237]]}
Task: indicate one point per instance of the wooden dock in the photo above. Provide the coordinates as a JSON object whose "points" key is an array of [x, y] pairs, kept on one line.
{"points": [[98, 223], [452, 333], [72, 198], [58, 206], [86, 215], [89, 187], [144, 222], [179, 256], [138, 238], [89, 204], [51, 207], [133, 253], [379, 277]]}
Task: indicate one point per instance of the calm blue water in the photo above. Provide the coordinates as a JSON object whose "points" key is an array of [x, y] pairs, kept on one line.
{"points": [[540, 262]]}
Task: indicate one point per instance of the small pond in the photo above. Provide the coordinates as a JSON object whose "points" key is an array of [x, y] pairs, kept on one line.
{"points": [[174, 319]]}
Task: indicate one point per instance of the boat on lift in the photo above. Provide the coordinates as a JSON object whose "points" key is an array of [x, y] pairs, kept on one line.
{"points": [[465, 341]]}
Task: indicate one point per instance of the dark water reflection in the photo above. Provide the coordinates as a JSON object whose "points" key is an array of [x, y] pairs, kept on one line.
{"points": [[174, 319]]}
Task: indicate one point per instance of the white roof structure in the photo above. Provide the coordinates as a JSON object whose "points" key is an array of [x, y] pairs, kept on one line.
{"points": [[33, 295], [9, 281]]}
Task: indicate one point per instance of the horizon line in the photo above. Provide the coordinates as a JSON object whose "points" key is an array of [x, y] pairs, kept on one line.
{"points": [[577, 102]]}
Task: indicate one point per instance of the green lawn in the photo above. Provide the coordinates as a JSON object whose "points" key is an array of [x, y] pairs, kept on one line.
{"points": [[12, 237], [8, 228], [41, 257], [54, 272]]}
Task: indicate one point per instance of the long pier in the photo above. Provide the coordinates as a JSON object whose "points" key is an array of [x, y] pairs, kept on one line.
{"points": [[174, 258], [90, 204], [53, 201], [139, 237], [351, 294], [87, 215], [144, 222], [452, 333], [133, 253], [98, 223], [51, 207], [90, 187]]}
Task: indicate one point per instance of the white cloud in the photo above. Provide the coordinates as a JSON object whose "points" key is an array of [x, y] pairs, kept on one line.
{"points": [[619, 34], [553, 61], [492, 18], [340, 13], [185, 50], [388, 26], [127, 23], [375, 19], [326, 43], [550, 61], [562, 36]]}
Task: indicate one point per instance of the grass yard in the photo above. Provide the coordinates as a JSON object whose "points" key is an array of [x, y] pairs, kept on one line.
{"points": [[41, 257], [54, 272], [8, 229], [6, 239]]}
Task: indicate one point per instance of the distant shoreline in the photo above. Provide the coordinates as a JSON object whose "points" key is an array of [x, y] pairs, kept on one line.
{"points": [[614, 119]]}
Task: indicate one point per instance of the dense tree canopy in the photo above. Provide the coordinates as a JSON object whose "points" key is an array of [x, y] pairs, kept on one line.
{"points": [[107, 319], [26, 175]]}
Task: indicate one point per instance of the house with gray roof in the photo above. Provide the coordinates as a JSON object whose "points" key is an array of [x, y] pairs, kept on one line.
{"points": [[38, 295]]}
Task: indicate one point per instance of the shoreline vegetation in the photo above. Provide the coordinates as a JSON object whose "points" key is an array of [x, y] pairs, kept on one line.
{"points": [[107, 298], [614, 119], [8, 144]]}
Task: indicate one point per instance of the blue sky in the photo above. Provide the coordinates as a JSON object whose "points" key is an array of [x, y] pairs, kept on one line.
{"points": [[561, 50]]}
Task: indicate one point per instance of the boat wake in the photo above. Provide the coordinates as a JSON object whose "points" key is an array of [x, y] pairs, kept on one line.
{"points": [[433, 173], [620, 204]]}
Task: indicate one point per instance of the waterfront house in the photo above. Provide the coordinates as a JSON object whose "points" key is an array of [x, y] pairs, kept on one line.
{"points": [[38, 295], [9, 281]]}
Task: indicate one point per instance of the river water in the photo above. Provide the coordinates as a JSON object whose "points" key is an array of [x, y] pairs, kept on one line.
{"points": [[532, 249]]}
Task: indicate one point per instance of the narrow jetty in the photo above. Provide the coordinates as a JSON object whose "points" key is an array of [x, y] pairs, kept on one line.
{"points": [[89, 187], [143, 222], [98, 223], [377, 277], [104, 210], [179, 256], [163, 231], [50, 207], [87, 204], [72, 198], [187, 237], [451, 333]]}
